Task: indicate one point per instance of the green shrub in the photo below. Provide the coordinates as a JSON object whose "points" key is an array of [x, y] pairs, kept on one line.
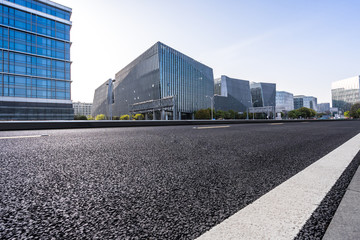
{"points": [[125, 117], [100, 117], [80, 117], [138, 117]]}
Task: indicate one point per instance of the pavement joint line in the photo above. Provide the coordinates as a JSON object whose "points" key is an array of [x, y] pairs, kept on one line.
{"points": [[282, 212], [18, 137], [211, 127]]}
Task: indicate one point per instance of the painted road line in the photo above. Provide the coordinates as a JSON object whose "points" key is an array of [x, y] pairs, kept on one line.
{"points": [[282, 212], [276, 123], [211, 127], [17, 137]]}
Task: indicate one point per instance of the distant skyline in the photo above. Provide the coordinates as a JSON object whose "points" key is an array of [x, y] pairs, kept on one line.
{"points": [[302, 46]]}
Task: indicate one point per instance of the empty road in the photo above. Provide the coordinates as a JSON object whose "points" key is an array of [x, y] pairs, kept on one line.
{"points": [[149, 182]]}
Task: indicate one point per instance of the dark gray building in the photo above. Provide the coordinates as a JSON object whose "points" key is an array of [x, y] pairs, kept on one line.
{"points": [[232, 94], [263, 94], [160, 80]]}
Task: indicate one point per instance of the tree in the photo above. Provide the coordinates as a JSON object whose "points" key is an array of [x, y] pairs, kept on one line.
{"points": [[203, 114], [100, 117], [90, 117], [354, 110], [293, 114], [347, 114], [125, 117], [80, 117]]}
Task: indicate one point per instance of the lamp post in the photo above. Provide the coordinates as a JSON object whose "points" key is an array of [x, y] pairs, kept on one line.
{"points": [[110, 96], [212, 106]]}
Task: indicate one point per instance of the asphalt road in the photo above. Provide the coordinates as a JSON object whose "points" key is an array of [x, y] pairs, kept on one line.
{"points": [[150, 182]]}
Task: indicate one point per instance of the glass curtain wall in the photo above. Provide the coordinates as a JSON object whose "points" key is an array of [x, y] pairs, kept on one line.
{"points": [[35, 59]]}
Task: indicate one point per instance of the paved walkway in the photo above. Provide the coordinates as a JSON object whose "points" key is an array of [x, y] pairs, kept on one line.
{"points": [[346, 222]]}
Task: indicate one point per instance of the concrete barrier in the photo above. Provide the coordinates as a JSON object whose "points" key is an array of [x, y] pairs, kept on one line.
{"points": [[38, 125]]}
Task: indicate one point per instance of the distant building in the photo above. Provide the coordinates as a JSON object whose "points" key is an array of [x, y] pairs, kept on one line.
{"points": [[35, 81], [305, 101], [232, 94], [345, 93], [263, 94], [81, 108], [284, 101], [323, 107], [161, 81]]}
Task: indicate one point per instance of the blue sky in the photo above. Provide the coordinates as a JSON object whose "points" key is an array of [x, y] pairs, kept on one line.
{"points": [[302, 46]]}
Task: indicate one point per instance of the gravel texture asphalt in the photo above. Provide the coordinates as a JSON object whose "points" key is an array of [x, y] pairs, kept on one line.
{"points": [[149, 183]]}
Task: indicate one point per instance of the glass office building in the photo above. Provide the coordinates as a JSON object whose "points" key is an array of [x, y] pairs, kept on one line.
{"points": [[345, 93], [232, 94], [284, 101], [323, 107], [263, 94], [35, 81], [305, 101], [158, 73]]}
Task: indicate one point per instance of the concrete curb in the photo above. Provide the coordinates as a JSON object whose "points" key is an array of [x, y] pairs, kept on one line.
{"points": [[346, 221], [39, 125]]}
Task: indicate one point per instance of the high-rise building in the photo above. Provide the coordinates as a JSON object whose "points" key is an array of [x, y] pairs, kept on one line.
{"points": [[305, 101], [345, 93], [161, 80], [263, 94], [35, 81], [81, 108], [232, 94], [284, 101]]}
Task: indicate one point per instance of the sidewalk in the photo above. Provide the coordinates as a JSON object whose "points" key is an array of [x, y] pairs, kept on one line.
{"points": [[346, 221]]}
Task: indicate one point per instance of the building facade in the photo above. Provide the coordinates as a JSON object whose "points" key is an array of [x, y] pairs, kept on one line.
{"points": [[263, 94], [159, 73], [284, 101], [232, 94], [81, 108], [345, 92], [35, 81], [305, 101], [323, 107]]}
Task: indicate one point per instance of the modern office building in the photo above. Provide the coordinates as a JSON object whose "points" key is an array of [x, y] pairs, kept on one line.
{"points": [[305, 101], [263, 94], [323, 107], [232, 94], [161, 81], [345, 93], [35, 82], [81, 108], [284, 101]]}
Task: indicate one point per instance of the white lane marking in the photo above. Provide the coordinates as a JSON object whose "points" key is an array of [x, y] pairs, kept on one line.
{"points": [[276, 123], [211, 127], [16, 137], [282, 212]]}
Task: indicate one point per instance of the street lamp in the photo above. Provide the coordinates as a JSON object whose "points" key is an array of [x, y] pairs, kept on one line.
{"points": [[110, 96], [212, 106]]}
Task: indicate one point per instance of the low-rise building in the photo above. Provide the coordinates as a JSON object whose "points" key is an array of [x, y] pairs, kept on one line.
{"points": [[81, 108], [323, 107], [305, 101], [232, 94], [284, 101], [345, 92]]}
